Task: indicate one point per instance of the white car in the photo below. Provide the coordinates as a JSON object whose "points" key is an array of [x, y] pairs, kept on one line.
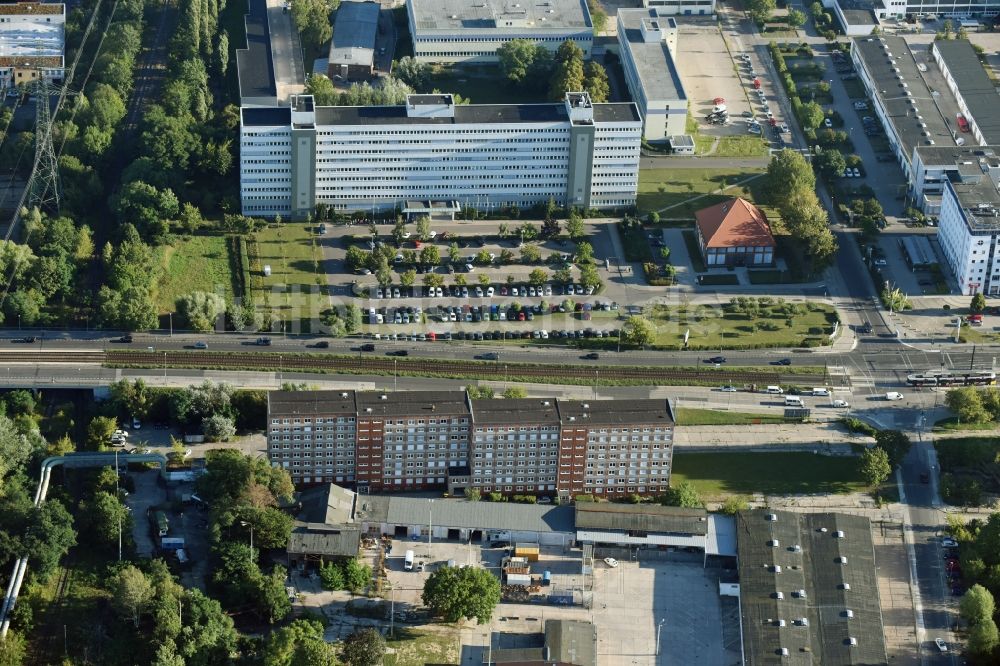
{"points": [[893, 395], [728, 389], [611, 562], [941, 645], [489, 292], [840, 403], [479, 292], [136, 424], [948, 542], [827, 123]]}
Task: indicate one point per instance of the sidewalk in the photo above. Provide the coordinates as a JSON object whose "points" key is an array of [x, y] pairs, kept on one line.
{"points": [[828, 438]]}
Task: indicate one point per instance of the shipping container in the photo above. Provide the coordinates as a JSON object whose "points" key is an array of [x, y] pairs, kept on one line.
{"points": [[519, 579], [527, 551]]}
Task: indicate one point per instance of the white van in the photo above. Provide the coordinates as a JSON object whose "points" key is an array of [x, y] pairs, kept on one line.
{"points": [[793, 401], [893, 395], [821, 391], [408, 561], [774, 390]]}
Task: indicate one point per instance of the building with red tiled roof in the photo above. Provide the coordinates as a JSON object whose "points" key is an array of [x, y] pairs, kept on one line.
{"points": [[734, 233]]}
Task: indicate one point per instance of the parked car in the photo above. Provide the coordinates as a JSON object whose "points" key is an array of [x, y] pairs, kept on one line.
{"points": [[611, 562], [840, 403], [948, 542], [201, 345]]}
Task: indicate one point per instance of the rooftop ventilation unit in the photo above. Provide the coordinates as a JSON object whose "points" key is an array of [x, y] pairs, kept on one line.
{"points": [[773, 543], [799, 594], [841, 560], [383, 397], [848, 613], [779, 595], [839, 534], [779, 623], [802, 622], [772, 517], [343, 395], [844, 586], [783, 652], [851, 640], [776, 568]]}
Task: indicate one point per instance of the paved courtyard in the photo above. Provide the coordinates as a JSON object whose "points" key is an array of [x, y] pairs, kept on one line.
{"points": [[682, 598]]}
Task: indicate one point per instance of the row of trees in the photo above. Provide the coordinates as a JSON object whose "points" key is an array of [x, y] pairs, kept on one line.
{"points": [[791, 188], [974, 405], [525, 63], [979, 554], [390, 92]]}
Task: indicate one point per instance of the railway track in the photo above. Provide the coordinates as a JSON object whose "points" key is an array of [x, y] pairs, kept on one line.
{"points": [[384, 365], [50, 649]]}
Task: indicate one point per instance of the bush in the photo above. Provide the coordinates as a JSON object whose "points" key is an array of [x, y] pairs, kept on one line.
{"points": [[961, 492], [858, 426]]}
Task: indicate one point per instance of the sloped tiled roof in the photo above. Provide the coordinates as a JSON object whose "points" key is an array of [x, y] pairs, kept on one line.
{"points": [[734, 223]]}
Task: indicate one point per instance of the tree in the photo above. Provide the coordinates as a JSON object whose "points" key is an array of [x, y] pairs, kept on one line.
{"points": [[106, 519], [357, 576], [202, 310], [584, 253], [596, 82], [516, 58], [760, 10], [99, 432], [424, 228], [530, 254], [568, 75], [788, 176], [683, 495], [408, 277], [365, 647], [218, 428], [983, 638], [589, 277], [574, 226], [49, 537], [976, 605], [331, 576], [967, 403], [638, 331], [399, 231], [455, 593], [895, 443], [537, 277], [874, 466], [472, 494], [515, 392], [895, 299], [430, 255], [978, 303], [796, 18], [312, 18], [147, 207], [830, 163], [13, 649], [301, 643], [412, 72], [811, 115], [132, 593], [454, 254]]}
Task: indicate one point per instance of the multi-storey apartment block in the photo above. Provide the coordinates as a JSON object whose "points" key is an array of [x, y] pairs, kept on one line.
{"points": [[32, 42], [969, 225], [461, 31], [395, 441], [431, 151]]}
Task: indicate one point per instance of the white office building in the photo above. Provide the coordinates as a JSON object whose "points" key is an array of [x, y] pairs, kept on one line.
{"points": [[648, 41], [969, 226], [686, 7], [432, 153], [464, 31], [32, 43]]}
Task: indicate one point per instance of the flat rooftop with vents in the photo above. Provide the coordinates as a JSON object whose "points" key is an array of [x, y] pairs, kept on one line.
{"points": [[808, 589]]}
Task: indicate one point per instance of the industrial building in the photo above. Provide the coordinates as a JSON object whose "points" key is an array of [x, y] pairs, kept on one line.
{"points": [[460, 31], [808, 589], [647, 41], [254, 66], [973, 90], [686, 7], [969, 225], [908, 93], [734, 232], [352, 49], [564, 642], [432, 150], [32, 43], [406, 441]]}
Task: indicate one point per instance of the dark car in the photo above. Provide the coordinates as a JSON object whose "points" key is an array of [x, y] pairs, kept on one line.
{"points": [[264, 342], [127, 338], [368, 347], [27, 339], [398, 352], [592, 356], [782, 361], [322, 344], [925, 477], [716, 359]]}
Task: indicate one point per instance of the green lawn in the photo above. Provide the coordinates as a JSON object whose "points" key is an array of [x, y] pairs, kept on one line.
{"points": [[718, 474], [692, 416], [683, 191], [418, 648], [952, 424], [296, 290], [713, 328], [195, 263], [741, 146], [481, 84]]}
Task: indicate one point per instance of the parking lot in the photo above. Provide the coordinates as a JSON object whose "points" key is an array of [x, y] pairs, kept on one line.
{"points": [[707, 70], [680, 599]]}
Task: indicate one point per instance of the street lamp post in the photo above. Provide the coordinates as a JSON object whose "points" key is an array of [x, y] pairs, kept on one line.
{"points": [[250, 525], [658, 627]]}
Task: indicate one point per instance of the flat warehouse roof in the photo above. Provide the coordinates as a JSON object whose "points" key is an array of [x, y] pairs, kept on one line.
{"points": [[310, 403], [486, 15], [470, 114], [520, 411], [412, 403], [808, 586], [461, 514], [909, 102], [616, 412], [641, 517], [254, 65], [975, 87], [653, 62]]}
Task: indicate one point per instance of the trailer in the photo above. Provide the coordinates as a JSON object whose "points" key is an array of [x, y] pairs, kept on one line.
{"points": [[171, 543], [161, 522]]}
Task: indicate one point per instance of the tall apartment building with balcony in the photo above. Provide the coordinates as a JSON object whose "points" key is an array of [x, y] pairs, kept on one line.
{"points": [[405, 441]]}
